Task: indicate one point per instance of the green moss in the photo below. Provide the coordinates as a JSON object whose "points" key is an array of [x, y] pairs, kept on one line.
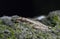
{"points": [[25, 31]]}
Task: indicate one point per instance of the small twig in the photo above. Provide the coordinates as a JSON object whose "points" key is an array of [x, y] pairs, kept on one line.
{"points": [[37, 24]]}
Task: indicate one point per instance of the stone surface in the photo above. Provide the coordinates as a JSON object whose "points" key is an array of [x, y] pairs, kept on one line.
{"points": [[24, 28]]}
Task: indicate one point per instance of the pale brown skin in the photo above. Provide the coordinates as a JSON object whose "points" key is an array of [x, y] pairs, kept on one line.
{"points": [[36, 24]]}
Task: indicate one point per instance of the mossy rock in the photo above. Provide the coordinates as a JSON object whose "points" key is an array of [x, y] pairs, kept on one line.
{"points": [[14, 29], [52, 19]]}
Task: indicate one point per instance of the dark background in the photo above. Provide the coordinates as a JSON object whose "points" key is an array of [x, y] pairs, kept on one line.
{"points": [[28, 8]]}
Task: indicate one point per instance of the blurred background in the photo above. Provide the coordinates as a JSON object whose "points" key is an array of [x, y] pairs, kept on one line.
{"points": [[28, 8]]}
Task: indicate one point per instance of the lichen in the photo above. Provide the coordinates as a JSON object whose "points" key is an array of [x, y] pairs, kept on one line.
{"points": [[20, 30]]}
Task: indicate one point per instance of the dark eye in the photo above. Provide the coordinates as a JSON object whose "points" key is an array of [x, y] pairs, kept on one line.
{"points": [[6, 31]]}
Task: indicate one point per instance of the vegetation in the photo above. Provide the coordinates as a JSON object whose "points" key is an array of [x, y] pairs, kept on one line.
{"points": [[10, 29]]}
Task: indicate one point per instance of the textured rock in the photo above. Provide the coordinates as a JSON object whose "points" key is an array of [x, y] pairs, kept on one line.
{"points": [[24, 28]]}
